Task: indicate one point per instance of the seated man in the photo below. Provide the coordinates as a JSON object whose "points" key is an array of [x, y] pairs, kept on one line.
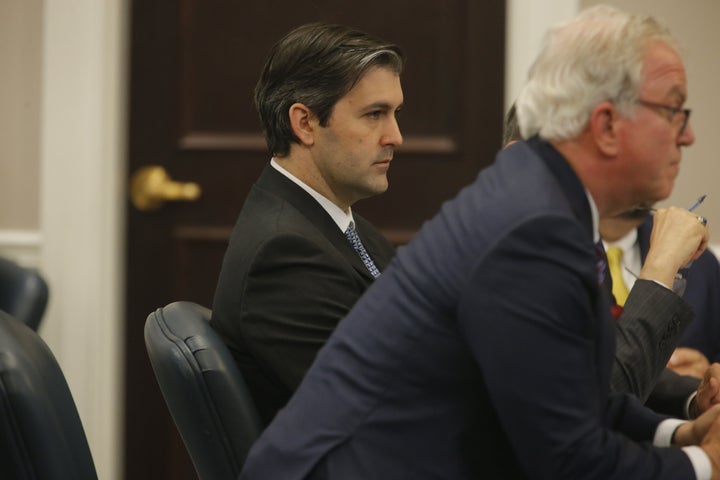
{"points": [[299, 258], [652, 313], [629, 235], [485, 349], [700, 344]]}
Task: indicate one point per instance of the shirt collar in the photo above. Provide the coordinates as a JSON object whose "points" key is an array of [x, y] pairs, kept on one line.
{"points": [[625, 243], [595, 217], [341, 218]]}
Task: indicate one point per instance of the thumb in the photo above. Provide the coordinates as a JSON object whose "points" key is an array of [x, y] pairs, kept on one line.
{"points": [[714, 389]]}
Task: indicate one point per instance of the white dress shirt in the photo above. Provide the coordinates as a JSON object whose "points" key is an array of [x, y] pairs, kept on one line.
{"points": [[341, 218]]}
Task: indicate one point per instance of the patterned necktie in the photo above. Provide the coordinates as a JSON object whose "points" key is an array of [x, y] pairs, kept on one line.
{"points": [[619, 289], [601, 262], [354, 239]]}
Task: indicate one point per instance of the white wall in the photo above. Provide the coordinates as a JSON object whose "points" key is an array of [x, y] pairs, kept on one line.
{"points": [[526, 23], [20, 64], [20, 48], [81, 180]]}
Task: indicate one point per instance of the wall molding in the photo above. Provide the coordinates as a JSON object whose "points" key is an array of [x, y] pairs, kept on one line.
{"points": [[22, 246]]}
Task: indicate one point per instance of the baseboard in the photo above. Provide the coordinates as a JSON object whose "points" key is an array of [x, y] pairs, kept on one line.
{"points": [[22, 246]]}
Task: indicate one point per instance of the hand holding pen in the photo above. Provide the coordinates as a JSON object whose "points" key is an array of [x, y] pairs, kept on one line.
{"points": [[692, 207], [697, 203], [676, 240]]}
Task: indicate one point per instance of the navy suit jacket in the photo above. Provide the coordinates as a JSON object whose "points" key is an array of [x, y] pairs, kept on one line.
{"points": [[483, 351], [288, 277], [702, 293]]}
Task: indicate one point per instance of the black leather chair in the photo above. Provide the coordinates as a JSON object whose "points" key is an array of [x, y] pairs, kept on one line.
{"points": [[203, 389], [23, 293], [41, 436]]}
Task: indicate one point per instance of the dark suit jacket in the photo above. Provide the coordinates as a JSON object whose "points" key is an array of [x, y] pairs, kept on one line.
{"points": [[648, 330], [702, 293], [483, 351], [671, 391], [288, 277]]}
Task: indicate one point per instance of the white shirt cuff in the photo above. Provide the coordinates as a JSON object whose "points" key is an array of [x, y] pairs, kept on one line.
{"points": [[665, 430], [698, 458], [688, 402], [700, 462], [661, 284]]}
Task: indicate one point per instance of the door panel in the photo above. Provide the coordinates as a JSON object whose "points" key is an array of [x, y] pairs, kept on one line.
{"points": [[194, 64]]}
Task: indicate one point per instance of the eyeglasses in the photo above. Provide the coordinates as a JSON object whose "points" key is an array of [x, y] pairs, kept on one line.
{"points": [[671, 110]]}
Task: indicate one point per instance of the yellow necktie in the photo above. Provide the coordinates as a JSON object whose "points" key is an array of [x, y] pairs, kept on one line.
{"points": [[620, 291]]}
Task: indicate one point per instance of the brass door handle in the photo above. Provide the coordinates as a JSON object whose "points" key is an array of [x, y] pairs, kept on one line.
{"points": [[151, 187]]}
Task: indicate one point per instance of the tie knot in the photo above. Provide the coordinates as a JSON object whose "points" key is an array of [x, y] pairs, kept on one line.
{"points": [[614, 255]]}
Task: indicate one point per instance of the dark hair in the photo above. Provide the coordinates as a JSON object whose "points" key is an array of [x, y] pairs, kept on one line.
{"points": [[511, 129], [316, 65]]}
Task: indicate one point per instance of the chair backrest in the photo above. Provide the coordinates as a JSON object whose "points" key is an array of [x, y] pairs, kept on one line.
{"points": [[23, 293], [41, 435], [203, 389]]}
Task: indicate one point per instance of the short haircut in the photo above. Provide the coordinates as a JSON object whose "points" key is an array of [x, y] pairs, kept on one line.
{"points": [[596, 57], [316, 65]]}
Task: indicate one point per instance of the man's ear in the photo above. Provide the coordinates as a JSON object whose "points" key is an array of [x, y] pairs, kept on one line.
{"points": [[604, 127], [303, 123]]}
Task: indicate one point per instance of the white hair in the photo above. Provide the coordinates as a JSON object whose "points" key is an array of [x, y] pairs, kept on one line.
{"points": [[596, 57]]}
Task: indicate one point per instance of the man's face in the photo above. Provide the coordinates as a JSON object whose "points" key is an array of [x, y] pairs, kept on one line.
{"points": [[353, 152], [652, 140]]}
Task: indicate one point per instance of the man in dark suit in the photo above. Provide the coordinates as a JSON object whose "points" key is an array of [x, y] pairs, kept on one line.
{"points": [[629, 235], [649, 323], [485, 348], [299, 258]]}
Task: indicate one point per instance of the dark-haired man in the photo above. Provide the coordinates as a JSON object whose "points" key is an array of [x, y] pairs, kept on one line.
{"points": [[299, 257]]}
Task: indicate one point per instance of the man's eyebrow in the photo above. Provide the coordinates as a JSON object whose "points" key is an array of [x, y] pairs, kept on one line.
{"points": [[678, 93], [381, 106]]}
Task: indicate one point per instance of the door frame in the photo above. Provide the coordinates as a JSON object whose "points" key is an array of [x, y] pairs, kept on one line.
{"points": [[82, 204]]}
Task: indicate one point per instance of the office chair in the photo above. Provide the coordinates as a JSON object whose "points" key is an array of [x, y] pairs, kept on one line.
{"points": [[23, 293], [41, 435], [203, 389]]}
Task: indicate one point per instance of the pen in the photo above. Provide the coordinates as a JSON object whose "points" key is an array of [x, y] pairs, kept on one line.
{"points": [[697, 203]]}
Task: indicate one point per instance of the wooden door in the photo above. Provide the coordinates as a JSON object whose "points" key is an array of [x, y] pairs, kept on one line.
{"points": [[194, 64]]}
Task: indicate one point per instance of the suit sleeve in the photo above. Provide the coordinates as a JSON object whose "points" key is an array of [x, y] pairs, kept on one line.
{"points": [[534, 319], [296, 293], [671, 393], [647, 332]]}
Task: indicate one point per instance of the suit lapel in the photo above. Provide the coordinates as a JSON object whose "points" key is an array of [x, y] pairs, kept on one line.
{"points": [[287, 190]]}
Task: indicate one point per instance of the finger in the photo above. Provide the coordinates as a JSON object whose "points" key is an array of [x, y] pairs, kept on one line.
{"points": [[713, 389], [683, 355]]}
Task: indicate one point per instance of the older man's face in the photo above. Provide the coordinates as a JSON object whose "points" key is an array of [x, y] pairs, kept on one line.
{"points": [[653, 139]]}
